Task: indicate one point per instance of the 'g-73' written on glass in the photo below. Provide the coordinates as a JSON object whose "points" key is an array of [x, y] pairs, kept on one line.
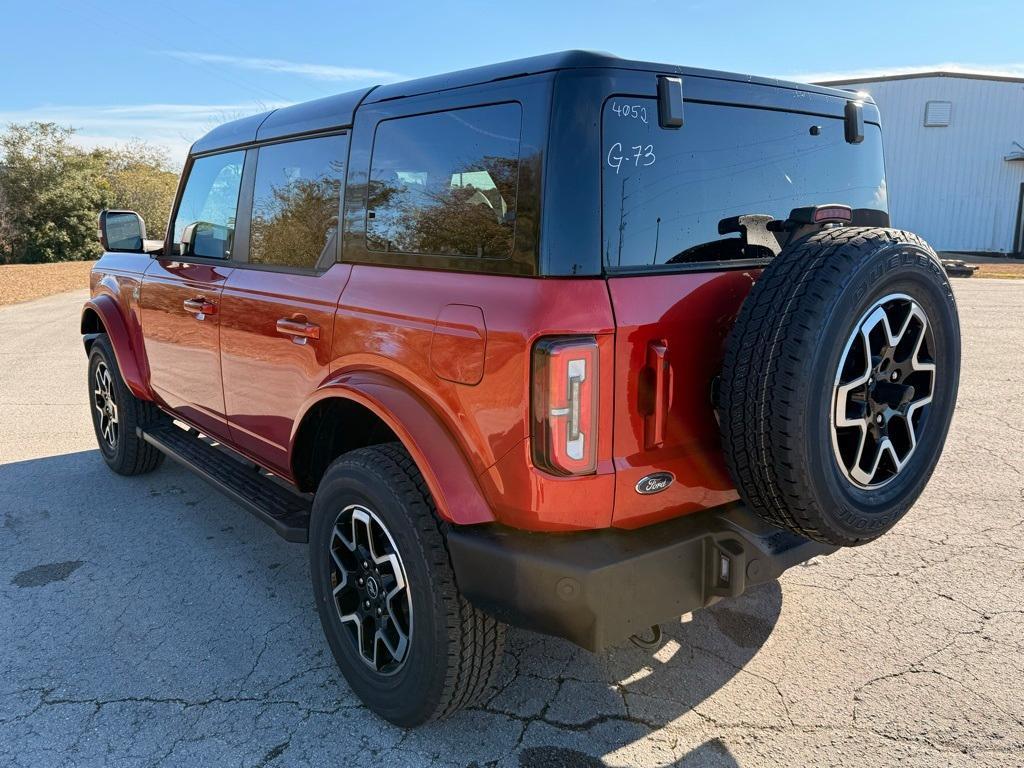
{"points": [[642, 154]]}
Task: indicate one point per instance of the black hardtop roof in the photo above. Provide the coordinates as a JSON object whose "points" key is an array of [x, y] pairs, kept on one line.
{"points": [[338, 111], [307, 117]]}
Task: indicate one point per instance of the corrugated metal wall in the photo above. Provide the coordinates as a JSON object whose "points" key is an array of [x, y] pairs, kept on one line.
{"points": [[951, 185]]}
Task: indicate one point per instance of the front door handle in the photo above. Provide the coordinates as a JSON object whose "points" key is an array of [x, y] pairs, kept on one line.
{"points": [[299, 328], [200, 307]]}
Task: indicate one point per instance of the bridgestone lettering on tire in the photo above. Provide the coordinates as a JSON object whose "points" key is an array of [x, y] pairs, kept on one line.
{"points": [[839, 382]]}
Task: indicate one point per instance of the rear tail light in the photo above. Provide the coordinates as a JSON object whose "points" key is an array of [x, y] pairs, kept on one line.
{"points": [[565, 411]]}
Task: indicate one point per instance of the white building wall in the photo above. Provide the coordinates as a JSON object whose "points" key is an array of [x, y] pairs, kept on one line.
{"points": [[952, 185]]}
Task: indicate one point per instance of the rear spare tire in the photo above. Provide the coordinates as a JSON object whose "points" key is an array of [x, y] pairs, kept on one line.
{"points": [[839, 382]]}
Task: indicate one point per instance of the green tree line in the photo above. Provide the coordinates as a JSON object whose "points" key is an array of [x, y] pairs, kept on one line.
{"points": [[51, 192]]}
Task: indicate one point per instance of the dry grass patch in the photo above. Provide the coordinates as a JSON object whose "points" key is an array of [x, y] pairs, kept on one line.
{"points": [[24, 282], [1011, 270]]}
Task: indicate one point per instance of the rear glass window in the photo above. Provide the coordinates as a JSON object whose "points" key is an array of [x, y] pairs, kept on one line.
{"points": [[446, 183], [665, 191], [295, 202]]}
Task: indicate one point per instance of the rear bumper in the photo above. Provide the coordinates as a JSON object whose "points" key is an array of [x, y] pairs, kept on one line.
{"points": [[598, 588]]}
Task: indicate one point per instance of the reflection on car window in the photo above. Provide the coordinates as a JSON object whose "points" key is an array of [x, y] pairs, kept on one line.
{"points": [[295, 202], [210, 199], [665, 191], [446, 183]]}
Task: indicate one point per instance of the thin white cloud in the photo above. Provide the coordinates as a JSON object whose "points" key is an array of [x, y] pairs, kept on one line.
{"points": [[303, 69], [172, 127], [995, 70]]}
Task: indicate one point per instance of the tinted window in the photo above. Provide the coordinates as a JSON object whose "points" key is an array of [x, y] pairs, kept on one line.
{"points": [[665, 191], [210, 200], [446, 183], [295, 202]]}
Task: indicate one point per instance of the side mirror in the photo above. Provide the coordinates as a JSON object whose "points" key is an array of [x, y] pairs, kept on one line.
{"points": [[123, 231], [188, 239], [205, 240]]}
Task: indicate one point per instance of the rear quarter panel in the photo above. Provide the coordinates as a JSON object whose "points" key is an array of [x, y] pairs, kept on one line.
{"points": [[386, 322]]}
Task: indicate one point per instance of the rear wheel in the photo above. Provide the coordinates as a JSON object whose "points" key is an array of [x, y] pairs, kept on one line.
{"points": [[116, 413], [839, 382], [411, 647]]}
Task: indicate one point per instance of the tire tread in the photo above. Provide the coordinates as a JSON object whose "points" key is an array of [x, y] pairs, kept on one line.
{"points": [[763, 399], [136, 457], [476, 641]]}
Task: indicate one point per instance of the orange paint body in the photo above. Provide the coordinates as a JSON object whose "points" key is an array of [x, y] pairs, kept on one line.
{"points": [[452, 379]]}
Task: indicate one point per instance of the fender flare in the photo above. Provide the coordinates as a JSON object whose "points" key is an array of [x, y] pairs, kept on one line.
{"points": [[448, 474], [109, 313]]}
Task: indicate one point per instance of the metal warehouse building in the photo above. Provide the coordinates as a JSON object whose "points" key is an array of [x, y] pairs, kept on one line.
{"points": [[954, 157]]}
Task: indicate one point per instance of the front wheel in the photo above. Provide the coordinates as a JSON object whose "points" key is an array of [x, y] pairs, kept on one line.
{"points": [[411, 647], [116, 413]]}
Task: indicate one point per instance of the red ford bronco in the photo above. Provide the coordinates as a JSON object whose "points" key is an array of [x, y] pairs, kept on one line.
{"points": [[572, 343]]}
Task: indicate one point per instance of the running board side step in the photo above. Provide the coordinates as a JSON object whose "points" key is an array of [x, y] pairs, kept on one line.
{"points": [[287, 513]]}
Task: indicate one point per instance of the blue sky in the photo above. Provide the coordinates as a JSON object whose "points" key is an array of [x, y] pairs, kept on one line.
{"points": [[117, 70]]}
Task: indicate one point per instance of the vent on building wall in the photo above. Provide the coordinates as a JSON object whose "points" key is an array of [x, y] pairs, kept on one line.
{"points": [[937, 113]]}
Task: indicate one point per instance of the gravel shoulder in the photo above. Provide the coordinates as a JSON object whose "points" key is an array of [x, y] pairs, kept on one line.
{"points": [[150, 621]]}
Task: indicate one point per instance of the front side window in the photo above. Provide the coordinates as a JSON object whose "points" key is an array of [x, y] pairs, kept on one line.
{"points": [[446, 183], [295, 202], [210, 202], [666, 190]]}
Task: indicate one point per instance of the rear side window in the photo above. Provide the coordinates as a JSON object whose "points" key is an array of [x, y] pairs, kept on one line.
{"points": [[210, 200], [665, 191], [295, 203], [446, 183]]}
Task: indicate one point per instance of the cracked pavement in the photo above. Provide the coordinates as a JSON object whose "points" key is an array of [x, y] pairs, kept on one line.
{"points": [[150, 621]]}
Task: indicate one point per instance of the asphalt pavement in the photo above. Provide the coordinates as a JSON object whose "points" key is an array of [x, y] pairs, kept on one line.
{"points": [[150, 621]]}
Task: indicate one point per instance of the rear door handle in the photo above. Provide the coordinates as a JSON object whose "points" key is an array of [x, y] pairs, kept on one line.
{"points": [[660, 394], [299, 328], [200, 307]]}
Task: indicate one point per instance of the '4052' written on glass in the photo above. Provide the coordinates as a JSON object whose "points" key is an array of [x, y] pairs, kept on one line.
{"points": [[630, 111]]}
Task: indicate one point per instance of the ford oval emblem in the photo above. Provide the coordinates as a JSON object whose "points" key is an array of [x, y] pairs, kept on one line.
{"points": [[655, 482]]}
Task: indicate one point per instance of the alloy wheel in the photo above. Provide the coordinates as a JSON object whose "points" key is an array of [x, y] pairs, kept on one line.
{"points": [[885, 381], [105, 404], [370, 589]]}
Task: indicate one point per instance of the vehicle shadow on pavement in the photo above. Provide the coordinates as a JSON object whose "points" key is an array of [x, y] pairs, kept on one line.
{"points": [[113, 575], [581, 709]]}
